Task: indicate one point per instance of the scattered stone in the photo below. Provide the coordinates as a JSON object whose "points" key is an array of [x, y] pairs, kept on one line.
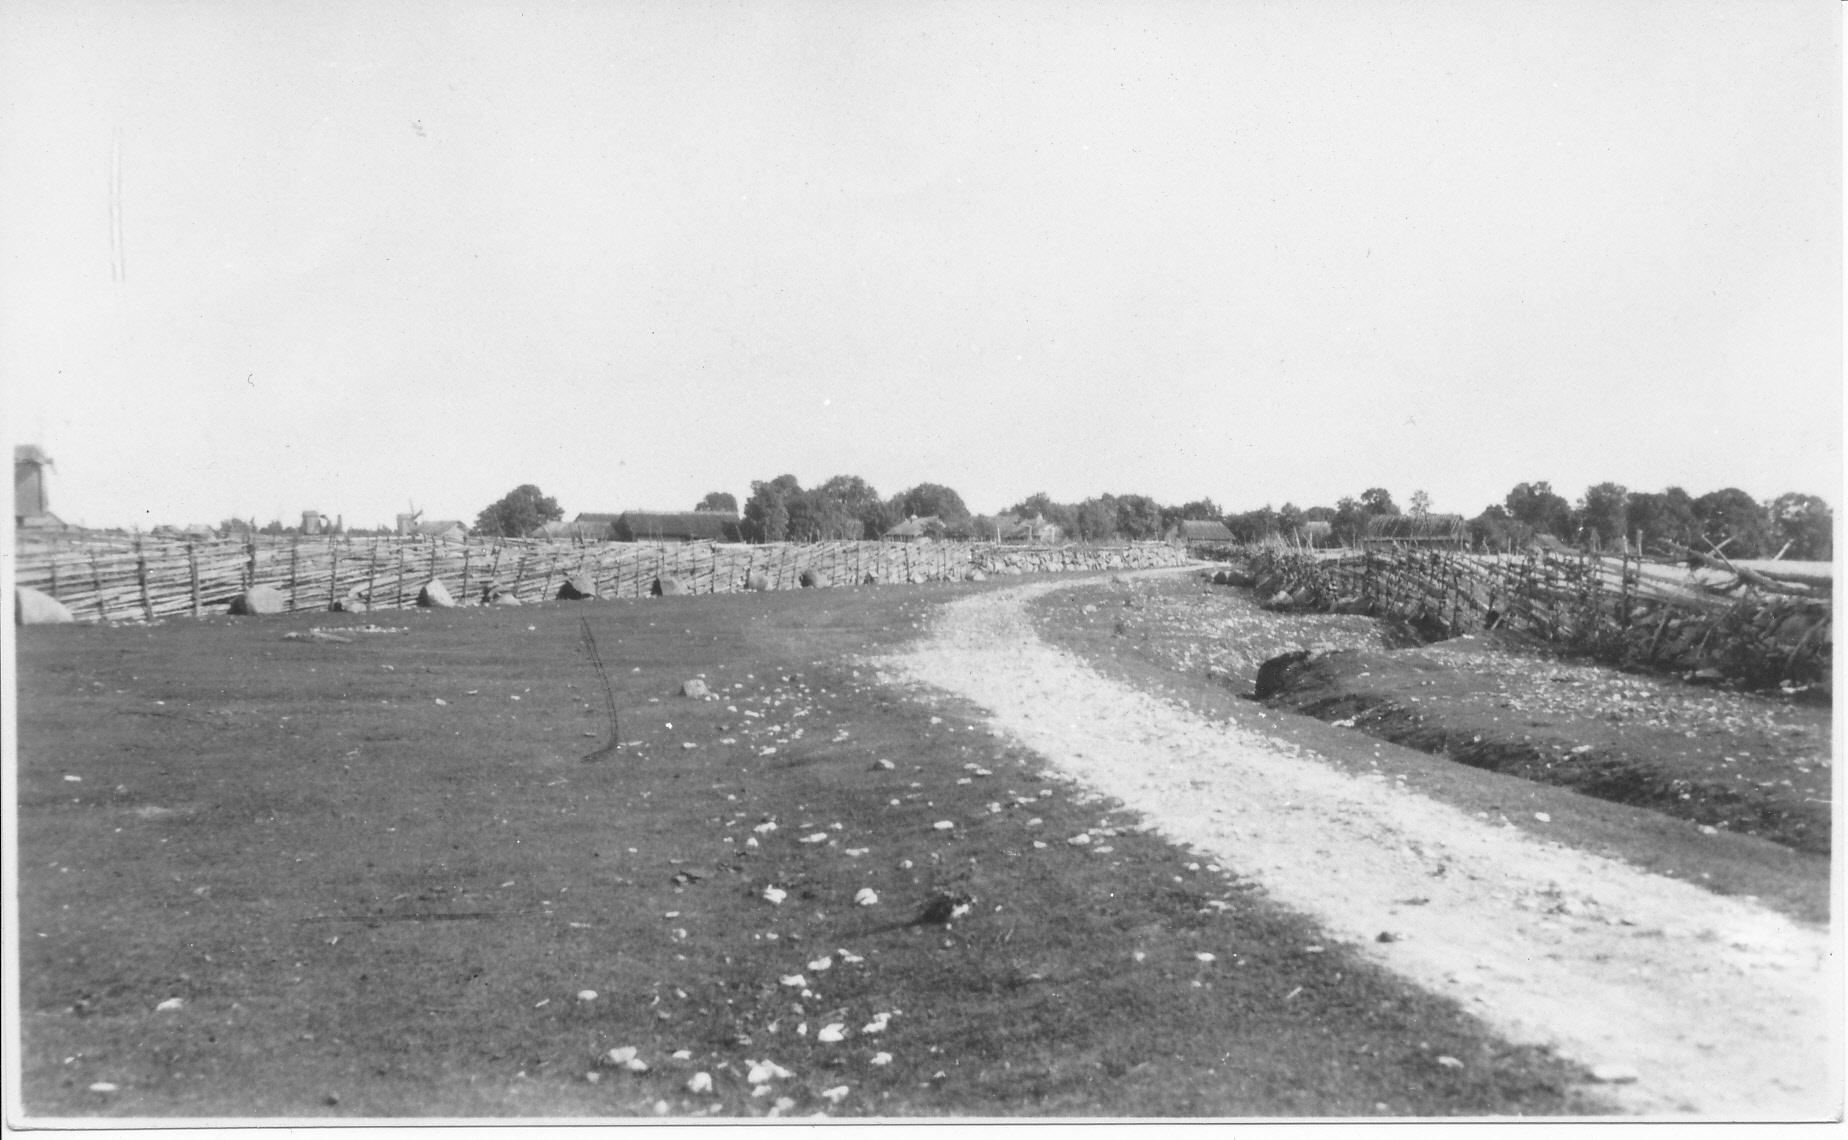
{"points": [[694, 688], [587, 995], [577, 588], [975, 575], [1079, 840], [775, 895], [102, 1086], [832, 1034], [761, 581], [699, 1083], [170, 1004], [667, 586], [943, 825], [881, 1059], [883, 765], [836, 1094], [1543, 817], [263, 599], [1271, 674], [809, 579], [866, 897], [435, 595], [34, 607], [1450, 1062]]}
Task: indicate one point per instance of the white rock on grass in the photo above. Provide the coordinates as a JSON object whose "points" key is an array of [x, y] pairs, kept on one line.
{"points": [[943, 825], [775, 895], [831, 1034], [867, 896], [835, 1094], [700, 1083], [170, 1004], [795, 980], [821, 963], [881, 1059], [587, 995]]}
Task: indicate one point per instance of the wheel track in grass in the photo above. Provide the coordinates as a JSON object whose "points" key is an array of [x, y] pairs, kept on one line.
{"points": [[1723, 1010]]}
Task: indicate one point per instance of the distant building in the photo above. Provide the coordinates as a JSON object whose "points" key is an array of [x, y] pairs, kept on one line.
{"points": [[668, 526], [1416, 530], [446, 529], [31, 502], [1200, 530], [1036, 530], [579, 529], [914, 529]]}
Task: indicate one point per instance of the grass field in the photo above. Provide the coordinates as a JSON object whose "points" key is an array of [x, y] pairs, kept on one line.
{"points": [[279, 877]]}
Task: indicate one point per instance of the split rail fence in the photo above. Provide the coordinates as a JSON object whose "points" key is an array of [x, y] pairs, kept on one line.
{"points": [[1619, 607], [117, 578]]}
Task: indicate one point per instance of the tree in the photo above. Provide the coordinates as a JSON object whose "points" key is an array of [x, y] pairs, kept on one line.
{"points": [[718, 501], [932, 499], [872, 516], [1664, 517], [1604, 513], [1350, 521], [1536, 506], [518, 513], [766, 512], [1806, 524], [1097, 519], [1290, 521], [1138, 517], [1253, 526], [1735, 518], [1378, 501], [1421, 505], [1496, 529]]}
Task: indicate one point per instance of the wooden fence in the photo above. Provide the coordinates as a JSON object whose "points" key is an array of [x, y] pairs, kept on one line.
{"points": [[118, 578], [1619, 607]]}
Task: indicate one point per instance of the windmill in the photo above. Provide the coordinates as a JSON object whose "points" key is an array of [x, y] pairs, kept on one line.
{"points": [[407, 524]]}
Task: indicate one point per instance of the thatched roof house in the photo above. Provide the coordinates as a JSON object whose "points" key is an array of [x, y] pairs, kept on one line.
{"points": [[1200, 530], [668, 526], [1416, 530], [1033, 530], [914, 529]]}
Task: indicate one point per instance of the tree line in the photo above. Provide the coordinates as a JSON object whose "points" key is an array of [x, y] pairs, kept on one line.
{"points": [[1793, 525]]}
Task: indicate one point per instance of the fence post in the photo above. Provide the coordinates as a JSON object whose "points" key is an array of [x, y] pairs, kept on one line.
{"points": [[295, 571], [333, 572], [399, 603], [250, 567], [96, 579], [192, 562], [141, 575], [467, 551]]}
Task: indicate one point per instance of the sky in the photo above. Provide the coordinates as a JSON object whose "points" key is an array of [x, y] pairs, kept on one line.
{"points": [[258, 258]]}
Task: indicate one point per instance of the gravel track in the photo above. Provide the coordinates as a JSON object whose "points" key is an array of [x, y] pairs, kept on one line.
{"points": [[1718, 1009]]}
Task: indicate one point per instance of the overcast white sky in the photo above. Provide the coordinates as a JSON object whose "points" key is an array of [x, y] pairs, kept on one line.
{"points": [[264, 257]]}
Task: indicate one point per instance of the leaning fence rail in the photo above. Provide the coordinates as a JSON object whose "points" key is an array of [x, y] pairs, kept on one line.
{"points": [[146, 578], [1617, 606]]}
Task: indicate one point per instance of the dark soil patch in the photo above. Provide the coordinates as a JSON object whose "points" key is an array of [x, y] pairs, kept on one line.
{"points": [[378, 874]]}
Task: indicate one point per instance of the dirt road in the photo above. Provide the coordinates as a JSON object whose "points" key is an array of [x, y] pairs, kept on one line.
{"points": [[1690, 1003]]}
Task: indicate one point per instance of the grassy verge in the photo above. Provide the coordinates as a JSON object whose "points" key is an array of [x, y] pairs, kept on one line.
{"points": [[374, 878], [1180, 637]]}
